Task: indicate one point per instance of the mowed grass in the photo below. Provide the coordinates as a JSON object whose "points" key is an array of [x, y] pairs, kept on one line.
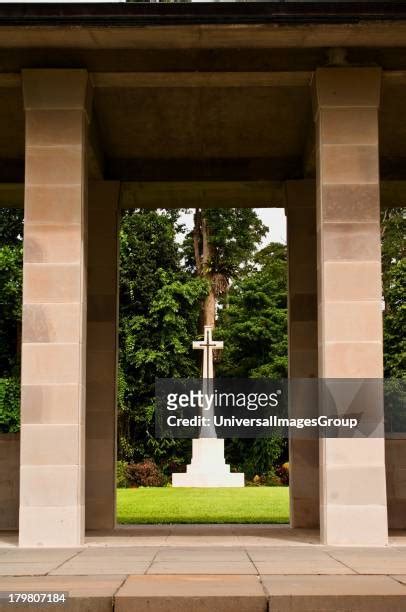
{"points": [[188, 505]]}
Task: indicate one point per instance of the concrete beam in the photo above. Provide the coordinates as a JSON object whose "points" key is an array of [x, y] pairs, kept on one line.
{"points": [[212, 194], [209, 36], [232, 170], [95, 152], [200, 79], [11, 195], [116, 80], [393, 194], [179, 169], [309, 154], [10, 80], [215, 194]]}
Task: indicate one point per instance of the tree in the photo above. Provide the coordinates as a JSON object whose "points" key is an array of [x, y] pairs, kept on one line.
{"points": [[224, 240], [254, 326], [11, 258], [163, 286], [254, 330], [393, 232], [159, 311], [160, 305]]}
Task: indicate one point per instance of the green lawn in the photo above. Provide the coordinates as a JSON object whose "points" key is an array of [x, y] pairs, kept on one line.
{"points": [[187, 505]]}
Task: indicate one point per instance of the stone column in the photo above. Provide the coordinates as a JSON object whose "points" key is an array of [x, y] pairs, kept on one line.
{"points": [[395, 448], [352, 471], [54, 309], [302, 331], [102, 314]]}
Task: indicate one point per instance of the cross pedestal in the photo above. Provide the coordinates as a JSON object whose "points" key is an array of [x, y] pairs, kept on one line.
{"points": [[208, 467]]}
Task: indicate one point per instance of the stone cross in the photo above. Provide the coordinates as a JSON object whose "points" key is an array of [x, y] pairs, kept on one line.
{"points": [[208, 467], [208, 345]]}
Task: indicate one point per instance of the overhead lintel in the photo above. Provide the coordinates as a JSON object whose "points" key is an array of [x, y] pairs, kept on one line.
{"points": [[209, 194], [117, 80]]}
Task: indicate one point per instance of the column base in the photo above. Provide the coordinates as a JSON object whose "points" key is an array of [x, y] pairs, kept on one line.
{"points": [[208, 467], [51, 527], [361, 525]]}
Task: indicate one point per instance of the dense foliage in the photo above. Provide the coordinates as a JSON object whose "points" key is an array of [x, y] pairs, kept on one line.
{"points": [[253, 325], [159, 312], [393, 229], [233, 234], [11, 254], [161, 297], [221, 244]]}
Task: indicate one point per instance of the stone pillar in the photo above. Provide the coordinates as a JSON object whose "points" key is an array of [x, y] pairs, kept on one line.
{"points": [[352, 471], [102, 314], [54, 309], [9, 480], [302, 331], [395, 448]]}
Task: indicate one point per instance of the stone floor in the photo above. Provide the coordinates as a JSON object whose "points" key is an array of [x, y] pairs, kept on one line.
{"points": [[210, 568]]}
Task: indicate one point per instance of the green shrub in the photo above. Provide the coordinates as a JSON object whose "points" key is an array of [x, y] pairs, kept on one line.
{"points": [[9, 405], [255, 457], [278, 477], [271, 479], [122, 475]]}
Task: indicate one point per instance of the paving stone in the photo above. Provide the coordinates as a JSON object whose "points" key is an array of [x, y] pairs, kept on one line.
{"points": [[115, 567], [135, 552], [277, 535], [202, 541], [265, 541], [125, 542], [372, 560], [287, 572], [202, 567], [302, 566], [35, 555], [295, 561], [285, 554], [334, 594], [188, 593], [86, 593], [201, 554], [25, 569], [107, 561], [400, 578]]}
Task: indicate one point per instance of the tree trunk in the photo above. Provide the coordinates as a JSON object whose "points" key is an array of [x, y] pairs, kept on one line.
{"points": [[203, 256], [209, 309]]}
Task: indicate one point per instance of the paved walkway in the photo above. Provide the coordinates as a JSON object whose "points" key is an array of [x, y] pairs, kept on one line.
{"points": [[210, 568]]}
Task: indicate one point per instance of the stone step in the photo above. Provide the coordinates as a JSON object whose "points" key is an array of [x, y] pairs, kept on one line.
{"points": [[85, 593], [215, 593], [348, 593], [191, 593]]}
